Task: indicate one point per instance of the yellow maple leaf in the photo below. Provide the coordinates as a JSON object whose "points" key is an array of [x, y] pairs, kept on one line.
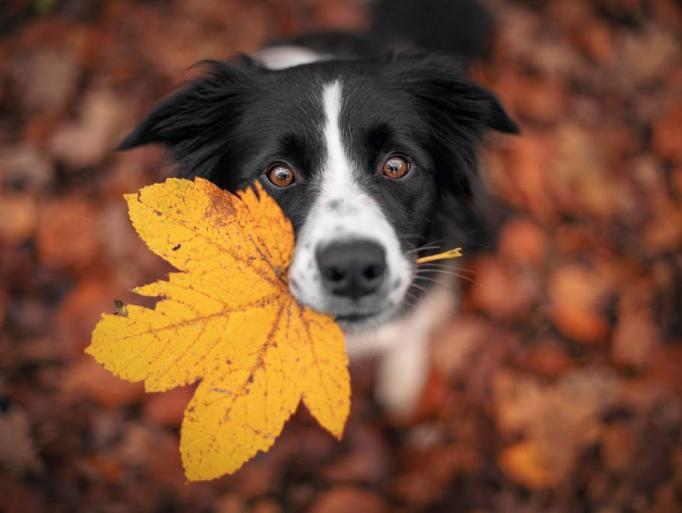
{"points": [[228, 321]]}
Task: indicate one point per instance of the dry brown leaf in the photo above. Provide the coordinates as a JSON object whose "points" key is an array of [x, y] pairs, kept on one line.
{"points": [[17, 452]]}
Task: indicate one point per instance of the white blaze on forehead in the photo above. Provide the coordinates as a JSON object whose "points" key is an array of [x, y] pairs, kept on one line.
{"points": [[337, 175], [344, 211], [342, 202], [337, 167]]}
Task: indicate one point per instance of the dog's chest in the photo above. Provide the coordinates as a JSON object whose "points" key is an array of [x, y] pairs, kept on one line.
{"points": [[414, 327]]}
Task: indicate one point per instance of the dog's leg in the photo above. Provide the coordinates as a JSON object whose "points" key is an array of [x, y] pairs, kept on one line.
{"points": [[404, 364], [402, 373]]}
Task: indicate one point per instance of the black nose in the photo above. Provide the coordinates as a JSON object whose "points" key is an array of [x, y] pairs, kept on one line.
{"points": [[353, 268]]}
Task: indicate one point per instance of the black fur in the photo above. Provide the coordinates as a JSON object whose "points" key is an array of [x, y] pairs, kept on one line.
{"points": [[457, 27], [238, 118]]}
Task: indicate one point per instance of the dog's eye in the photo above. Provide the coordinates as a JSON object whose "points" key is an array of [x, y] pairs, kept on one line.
{"points": [[396, 167], [281, 175]]}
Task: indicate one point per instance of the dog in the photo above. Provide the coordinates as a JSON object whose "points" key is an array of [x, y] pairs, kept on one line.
{"points": [[372, 156]]}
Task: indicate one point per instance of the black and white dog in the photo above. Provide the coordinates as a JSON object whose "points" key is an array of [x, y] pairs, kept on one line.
{"points": [[371, 155]]}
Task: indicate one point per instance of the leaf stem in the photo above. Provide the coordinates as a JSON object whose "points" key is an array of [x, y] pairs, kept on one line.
{"points": [[445, 255]]}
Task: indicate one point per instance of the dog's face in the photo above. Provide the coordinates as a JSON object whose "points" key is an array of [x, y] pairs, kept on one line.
{"points": [[360, 156]]}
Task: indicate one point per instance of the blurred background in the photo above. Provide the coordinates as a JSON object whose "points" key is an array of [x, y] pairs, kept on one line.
{"points": [[557, 388]]}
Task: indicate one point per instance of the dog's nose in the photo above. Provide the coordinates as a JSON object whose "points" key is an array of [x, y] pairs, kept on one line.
{"points": [[352, 268]]}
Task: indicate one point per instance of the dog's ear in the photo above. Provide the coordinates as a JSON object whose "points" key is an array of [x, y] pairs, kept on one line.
{"points": [[453, 100], [459, 112], [495, 116], [194, 122]]}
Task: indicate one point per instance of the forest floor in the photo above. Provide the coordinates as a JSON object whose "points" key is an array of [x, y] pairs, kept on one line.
{"points": [[558, 386]]}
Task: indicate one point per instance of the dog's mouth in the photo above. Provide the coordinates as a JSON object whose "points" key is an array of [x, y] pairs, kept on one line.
{"points": [[362, 321], [357, 317]]}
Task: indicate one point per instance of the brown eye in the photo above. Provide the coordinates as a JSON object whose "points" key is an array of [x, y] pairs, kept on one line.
{"points": [[281, 175], [396, 167]]}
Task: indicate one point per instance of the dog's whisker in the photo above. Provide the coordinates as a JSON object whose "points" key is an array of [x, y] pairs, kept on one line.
{"points": [[411, 304], [437, 242], [432, 244], [410, 236], [412, 297], [444, 265], [432, 280], [447, 273], [445, 268], [418, 287], [425, 246], [422, 248]]}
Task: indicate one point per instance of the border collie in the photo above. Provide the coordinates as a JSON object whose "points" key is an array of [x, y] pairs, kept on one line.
{"points": [[371, 154]]}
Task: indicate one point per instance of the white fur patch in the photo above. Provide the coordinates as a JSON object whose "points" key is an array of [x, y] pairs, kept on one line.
{"points": [[403, 347], [287, 56], [343, 211]]}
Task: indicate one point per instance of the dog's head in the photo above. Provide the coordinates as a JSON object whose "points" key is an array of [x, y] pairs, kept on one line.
{"points": [[359, 154]]}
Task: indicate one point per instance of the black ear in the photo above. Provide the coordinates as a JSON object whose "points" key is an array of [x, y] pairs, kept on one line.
{"points": [[443, 90], [458, 111], [194, 122], [495, 116]]}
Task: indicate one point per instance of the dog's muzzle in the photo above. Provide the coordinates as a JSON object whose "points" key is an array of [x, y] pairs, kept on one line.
{"points": [[352, 268]]}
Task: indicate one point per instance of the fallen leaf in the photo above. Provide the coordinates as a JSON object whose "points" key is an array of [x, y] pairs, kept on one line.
{"points": [[548, 358], [520, 175], [647, 55], [146, 446], [341, 15], [167, 409], [523, 242], [80, 308], [86, 142], [18, 454], [25, 167], [617, 447], [524, 464], [557, 422], [367, 460], [228, 321], [59, 71], [349, 498], [86, 378], [455, 344], [67, 236], [635, 337], [499, 290], [596, 40], [266, 506], [580, 177], [578, 295], [18, 218]]}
